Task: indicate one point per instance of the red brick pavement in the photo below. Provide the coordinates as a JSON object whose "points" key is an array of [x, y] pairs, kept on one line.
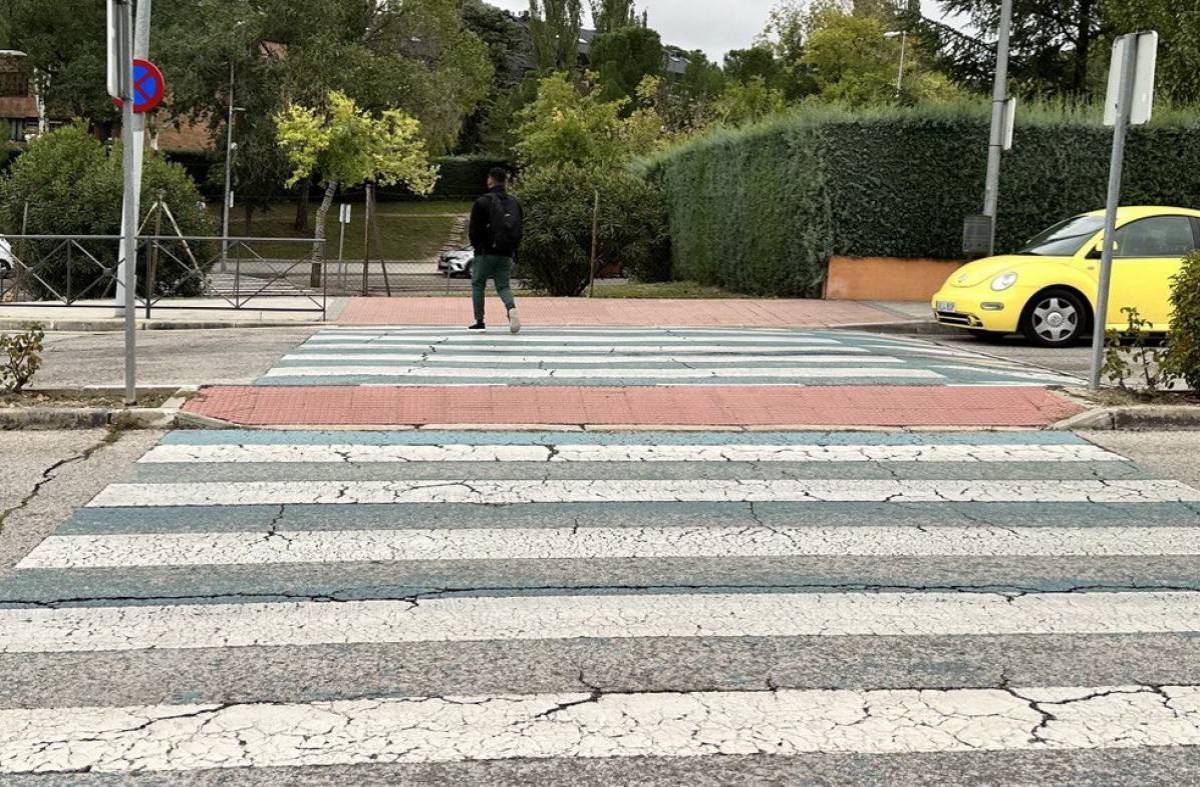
{"points": [[734, 312], [884, 406]]}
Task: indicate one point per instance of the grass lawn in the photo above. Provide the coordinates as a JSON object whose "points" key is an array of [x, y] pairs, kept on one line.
{"points": [[407, 230], [666, 289]]}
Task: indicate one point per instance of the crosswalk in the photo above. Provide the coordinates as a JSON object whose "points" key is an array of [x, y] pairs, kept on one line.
{"points": [[638, 357], [401, 606]]}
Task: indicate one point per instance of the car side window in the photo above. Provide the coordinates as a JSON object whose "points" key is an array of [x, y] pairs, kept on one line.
{"points": [[1160, 236]]}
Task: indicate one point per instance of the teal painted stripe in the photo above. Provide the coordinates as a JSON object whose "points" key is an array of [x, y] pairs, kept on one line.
{"points": [[377, 581], [203, 519], [618, 381], [828, 438]]}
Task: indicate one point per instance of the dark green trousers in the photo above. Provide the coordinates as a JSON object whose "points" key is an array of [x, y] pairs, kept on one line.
{"points": [[499, 269]]}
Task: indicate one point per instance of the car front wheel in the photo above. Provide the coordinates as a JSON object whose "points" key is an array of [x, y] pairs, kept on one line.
{"points": [[1054, 318]]}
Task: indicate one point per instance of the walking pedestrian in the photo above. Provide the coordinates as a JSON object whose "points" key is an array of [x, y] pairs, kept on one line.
{"points": [[497, 223]]}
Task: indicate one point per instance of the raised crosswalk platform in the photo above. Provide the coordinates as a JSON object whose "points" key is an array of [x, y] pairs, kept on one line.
{"points": [[639, 357]]}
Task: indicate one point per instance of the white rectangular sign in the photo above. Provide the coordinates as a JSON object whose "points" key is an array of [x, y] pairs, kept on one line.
{"points": [[1144, 47], [118, 48], [1010, 122], [344, 216]]}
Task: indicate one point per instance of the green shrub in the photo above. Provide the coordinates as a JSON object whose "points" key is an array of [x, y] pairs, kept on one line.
{"points": [[20, 357], [1183, 343], [559, 205], [1132, 352], [760, 210], [73, 186]]}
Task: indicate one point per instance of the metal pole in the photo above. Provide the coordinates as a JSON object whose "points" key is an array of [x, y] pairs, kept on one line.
{"points": [[228, 174], [129, 218], [141, 50], [991, 194], [900, 76], [1120, 129]]}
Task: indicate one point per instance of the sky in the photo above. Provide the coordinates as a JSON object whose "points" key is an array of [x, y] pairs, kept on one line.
{"points": [[716, 26]]}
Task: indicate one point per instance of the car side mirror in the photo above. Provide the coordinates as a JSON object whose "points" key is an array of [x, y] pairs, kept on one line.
{"points": [[1098, 252]]}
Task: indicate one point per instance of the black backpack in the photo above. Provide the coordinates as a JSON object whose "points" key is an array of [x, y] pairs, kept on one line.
{"points": [[506, 224]]}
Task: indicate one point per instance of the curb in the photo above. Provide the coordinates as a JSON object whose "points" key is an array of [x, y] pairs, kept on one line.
{"points": [[108, 326], [915, 328], [1133, 418], [59, 418]]}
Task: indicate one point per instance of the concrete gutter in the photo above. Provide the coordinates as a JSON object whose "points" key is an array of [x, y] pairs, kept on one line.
{"points": [[60, 418], [102, 326], [1144, 417], [908, 327]]}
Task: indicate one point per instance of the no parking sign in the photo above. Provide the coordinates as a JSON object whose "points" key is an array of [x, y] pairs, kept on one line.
{"points": [[148, 86]]}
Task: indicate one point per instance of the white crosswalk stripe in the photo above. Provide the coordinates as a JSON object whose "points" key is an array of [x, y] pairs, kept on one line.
{"points": [[445, 729], [363, 600]]}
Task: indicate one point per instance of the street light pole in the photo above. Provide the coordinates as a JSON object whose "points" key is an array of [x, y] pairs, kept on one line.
{"points": [[903, 36], [228, 173], [991, 194]]}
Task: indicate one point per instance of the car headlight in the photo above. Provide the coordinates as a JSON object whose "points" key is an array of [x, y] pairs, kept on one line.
{"points": [[1004, 282]]}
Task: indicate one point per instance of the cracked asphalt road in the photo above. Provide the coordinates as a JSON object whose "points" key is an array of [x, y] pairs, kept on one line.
{"points": [[651, 608]]}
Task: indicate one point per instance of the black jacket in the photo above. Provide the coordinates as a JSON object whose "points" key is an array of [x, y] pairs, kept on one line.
{"points": [[480, 232]]}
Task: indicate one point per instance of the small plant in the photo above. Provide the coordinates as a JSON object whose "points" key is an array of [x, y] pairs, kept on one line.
{"points": [[1183, 348], [20, 357], [1130, 353]]}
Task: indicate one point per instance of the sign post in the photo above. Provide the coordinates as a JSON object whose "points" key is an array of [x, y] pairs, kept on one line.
{"points": [[120, 85], [1130, 100]]}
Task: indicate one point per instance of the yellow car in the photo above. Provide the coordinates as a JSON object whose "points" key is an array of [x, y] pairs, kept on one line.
{"points": [[1047, 290]]}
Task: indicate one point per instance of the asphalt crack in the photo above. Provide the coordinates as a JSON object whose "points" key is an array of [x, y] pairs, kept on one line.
{"points": [[50, 473]]}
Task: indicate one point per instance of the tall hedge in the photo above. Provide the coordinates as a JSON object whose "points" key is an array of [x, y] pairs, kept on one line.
{"points": [[761, 210]]}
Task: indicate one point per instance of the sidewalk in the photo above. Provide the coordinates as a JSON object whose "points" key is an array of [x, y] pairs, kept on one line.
{"points": [[632, 312], [177, 314]]}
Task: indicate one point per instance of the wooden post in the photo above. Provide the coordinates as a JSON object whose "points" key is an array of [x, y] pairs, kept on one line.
{"points": [[387, 284], [595, 244], [152, 263], [366, 241]]}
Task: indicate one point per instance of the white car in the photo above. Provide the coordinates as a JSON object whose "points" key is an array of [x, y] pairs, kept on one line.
{"points": [[456, 262], [7, 260]]}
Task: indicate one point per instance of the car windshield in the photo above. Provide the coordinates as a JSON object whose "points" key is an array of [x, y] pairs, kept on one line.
{"points": [[1064, 239]]}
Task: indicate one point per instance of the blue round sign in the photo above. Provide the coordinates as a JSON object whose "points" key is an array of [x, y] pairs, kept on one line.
{"points": [[148, 86]]}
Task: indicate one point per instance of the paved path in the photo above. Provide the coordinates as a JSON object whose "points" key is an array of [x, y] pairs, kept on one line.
{"points": [[734, 312], [699, 608], [611, 376]]}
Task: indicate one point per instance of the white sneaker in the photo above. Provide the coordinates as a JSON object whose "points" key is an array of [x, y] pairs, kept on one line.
{"points": [[514, 322]]}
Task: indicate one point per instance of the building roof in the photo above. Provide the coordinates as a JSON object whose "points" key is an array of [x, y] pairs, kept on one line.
{"points": [[18, 107]]}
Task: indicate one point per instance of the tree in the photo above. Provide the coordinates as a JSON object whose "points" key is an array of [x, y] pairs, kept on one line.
{"points": [[65, 51], [608, 16], [566, 126], [1051, 40], [341, 145], [490, 127], [852, 62], [743, 65], [555, 26], [624, 58], [749, 102], [1178, 73]]}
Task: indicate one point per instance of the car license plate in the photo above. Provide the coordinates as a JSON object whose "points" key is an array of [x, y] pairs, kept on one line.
{"points": [[945, 306]]}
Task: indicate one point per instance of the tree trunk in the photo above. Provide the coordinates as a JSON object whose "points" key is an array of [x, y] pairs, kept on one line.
{"points": [[301, 223], [1083, 46], [318, 252]]}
